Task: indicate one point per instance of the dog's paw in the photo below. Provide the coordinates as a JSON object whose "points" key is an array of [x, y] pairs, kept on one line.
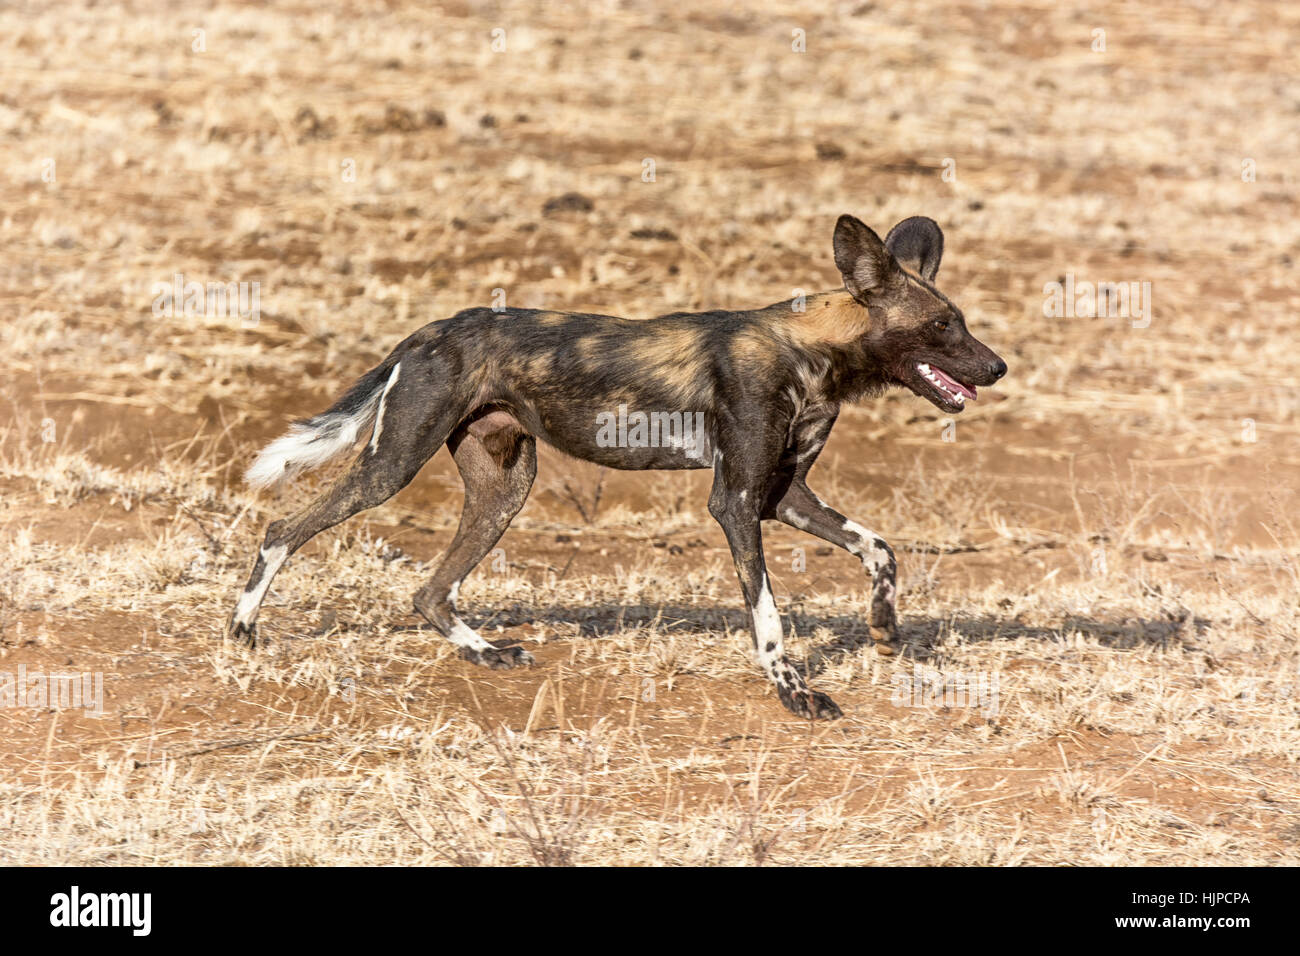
{"points": [[885, 638], [237, 632], [498, 658], [809, 704]]}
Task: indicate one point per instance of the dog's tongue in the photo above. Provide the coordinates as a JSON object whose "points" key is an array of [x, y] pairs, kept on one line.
{"points": [[952, 384]]}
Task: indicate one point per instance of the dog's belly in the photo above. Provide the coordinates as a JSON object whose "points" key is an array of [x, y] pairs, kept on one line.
{"points": [[632, 459], [625, 439]]}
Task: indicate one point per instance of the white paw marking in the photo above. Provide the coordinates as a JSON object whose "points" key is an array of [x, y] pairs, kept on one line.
{"points": [[462, 635], [251, 600], [873, 558], [852, 527], [767, 627]]}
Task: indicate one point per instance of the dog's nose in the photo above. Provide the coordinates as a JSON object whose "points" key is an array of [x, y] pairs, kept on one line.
{"points": [[998, 369]]}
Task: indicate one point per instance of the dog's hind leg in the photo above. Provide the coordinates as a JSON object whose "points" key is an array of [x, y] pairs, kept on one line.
{"points": [[404, 438], [800, 508], [497, 462]]}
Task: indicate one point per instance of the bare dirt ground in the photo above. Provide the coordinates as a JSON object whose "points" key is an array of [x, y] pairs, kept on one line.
{"points": [[1104, 547]]}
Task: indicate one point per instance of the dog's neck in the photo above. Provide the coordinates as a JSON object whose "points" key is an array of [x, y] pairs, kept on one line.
{"points": [[834, 327], [825, 319]]}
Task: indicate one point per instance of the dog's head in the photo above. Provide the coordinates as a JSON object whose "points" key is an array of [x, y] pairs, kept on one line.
{"points": [[917, 337]]}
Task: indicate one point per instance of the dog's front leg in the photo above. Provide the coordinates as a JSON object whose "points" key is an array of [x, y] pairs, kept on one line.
{"points": [[735, 502], [800, 508]]}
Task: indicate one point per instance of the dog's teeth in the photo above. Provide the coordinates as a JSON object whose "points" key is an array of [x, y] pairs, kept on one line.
{"points": [[948, 393]]}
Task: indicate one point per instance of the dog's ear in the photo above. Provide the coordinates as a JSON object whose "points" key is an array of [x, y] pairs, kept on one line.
{"points": [[862, 258], [917, 243]]}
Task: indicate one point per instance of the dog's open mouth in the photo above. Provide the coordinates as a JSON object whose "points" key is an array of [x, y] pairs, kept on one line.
{"points": [[953, 392]]}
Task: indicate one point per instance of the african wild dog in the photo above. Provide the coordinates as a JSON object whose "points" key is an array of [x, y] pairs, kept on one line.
{"points": [[770, 383]]}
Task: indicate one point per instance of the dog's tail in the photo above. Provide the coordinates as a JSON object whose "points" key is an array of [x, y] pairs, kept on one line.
{"points": [[311, 442]]}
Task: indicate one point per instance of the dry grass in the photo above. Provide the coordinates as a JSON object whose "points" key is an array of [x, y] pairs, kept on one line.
{"points": [[1111, 536]]}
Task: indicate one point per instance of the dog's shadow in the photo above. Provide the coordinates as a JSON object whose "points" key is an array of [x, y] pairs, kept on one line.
{"points": [[920, 638]]}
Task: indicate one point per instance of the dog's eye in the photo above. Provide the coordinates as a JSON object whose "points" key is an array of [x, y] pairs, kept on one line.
{"points": [[941, 324]]}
